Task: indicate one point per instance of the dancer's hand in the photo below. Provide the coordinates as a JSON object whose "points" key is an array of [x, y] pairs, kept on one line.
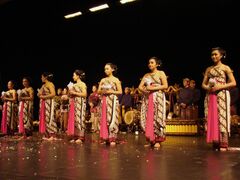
{"points": [[215, 88]]}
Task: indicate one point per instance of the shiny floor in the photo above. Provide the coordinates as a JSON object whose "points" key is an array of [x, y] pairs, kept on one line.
{"points": [[179, 158]]}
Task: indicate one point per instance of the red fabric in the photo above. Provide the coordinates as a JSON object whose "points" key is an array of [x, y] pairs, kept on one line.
{"points": [[212, 124], [149, 122], [4, 119], [71, 117], [103, 126], [21, 123], [42, 128]]}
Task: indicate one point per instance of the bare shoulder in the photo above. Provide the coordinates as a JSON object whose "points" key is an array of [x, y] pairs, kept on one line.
{"points": [[13, 91], [83, 84], [50, 85], [116, 80], [30, 89], [103, 79], [146, 75], [161, 73], [227, 68]]}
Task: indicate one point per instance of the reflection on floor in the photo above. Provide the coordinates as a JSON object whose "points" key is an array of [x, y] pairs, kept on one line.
{"points": [[180, 157]]}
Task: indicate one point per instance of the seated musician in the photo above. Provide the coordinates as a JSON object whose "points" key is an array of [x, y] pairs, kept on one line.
{"points": [[185, 97], [196, 99], [126, 100], [196, 92]]}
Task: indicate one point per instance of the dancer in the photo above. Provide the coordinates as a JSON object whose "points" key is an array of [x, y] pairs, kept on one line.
{"points": [[77, 109], [109, 88], [9, 112], [25, 97], [47, 124], [218, 78], [153, 109]]}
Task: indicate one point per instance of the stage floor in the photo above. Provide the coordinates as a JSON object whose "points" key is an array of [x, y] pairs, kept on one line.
{"points": [[179, 158]]}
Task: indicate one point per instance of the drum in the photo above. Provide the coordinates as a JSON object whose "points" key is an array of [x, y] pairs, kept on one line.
{"points": [[132, 117]]}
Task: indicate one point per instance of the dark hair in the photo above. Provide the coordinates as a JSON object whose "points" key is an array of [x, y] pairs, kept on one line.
{"points": [[221, 51], [157, 60], [80, 73], [48, 76], [28, 79], [96, 85], [113, 66]]}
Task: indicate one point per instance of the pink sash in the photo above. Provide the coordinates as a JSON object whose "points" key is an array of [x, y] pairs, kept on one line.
{"points": [[212, 124], [71, 117], [149, 122], [21, 126], [42, 128], [4, 119], [103, 126]]}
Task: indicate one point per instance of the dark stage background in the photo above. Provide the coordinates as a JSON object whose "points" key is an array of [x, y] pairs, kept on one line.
{"points": [[35, 37]]}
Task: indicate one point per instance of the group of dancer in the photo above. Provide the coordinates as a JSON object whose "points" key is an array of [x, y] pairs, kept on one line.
{"points": [[217, 80]]}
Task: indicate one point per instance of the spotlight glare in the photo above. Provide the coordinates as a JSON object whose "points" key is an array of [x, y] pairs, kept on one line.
{"points": [[100, 7], [73, 15], [126, 1]]}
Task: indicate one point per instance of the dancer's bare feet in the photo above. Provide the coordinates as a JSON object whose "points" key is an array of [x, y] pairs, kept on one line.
{"points": [[72, 141], [103, 142], [50, 139], [147, 145], [78, 141], [157, 145], [45, 138], [113, 143], [223, 149]]}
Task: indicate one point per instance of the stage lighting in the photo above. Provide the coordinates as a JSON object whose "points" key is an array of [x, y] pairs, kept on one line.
{"points": [[100, 7], [73, 15], [126, 1]]}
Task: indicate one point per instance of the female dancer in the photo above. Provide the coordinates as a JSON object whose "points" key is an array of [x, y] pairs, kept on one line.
{"points": [[109, 88], [48, 124], [25, 113], [77, 109], [9, 112], [153, 109], [218, 78]]}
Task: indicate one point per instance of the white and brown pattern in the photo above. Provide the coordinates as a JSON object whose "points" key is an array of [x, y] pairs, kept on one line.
{"points": [[79, 112], [159, 113], [50, 121], [27, 112], [112, 110], [12, 112]]}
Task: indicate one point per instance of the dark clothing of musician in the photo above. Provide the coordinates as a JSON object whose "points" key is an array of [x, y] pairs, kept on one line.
{"points": [[196, 96], [185, 96], [126, 101]]}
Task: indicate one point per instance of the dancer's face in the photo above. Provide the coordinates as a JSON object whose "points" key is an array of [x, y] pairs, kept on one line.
{"points": [[10, 85], [108, 70], [152, 65], [75, 77], [216, 56], [43, 78], [25, 82], [94, 89]]}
